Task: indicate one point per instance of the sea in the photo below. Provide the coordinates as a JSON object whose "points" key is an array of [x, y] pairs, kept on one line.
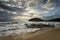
{"points": [[10, 28]]}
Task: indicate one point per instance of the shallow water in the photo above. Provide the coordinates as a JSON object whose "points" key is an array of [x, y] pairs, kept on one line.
{"points": [[20, 29]]}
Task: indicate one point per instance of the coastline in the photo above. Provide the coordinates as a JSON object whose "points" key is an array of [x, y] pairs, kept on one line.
{"points": [[43, 34]]}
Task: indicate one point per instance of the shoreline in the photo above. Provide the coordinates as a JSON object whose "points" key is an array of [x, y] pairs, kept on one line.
{"points": [[35, 35]]}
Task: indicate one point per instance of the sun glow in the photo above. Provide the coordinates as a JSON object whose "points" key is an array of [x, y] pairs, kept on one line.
{"points": [[21, 17]]}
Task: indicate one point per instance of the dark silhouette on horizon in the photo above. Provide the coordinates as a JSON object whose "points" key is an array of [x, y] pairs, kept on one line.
{"points": [[38, 20]]}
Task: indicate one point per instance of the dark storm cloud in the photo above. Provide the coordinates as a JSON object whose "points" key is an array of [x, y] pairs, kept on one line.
{"points": [[8, 11], [3, 6], [6, 15]]}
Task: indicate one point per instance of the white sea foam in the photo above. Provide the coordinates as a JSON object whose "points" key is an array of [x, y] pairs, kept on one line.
{"points": [[5, 31]]}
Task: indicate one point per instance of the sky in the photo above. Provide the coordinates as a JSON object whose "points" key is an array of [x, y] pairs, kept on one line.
{"points": [[26, 9], [46, 9]]}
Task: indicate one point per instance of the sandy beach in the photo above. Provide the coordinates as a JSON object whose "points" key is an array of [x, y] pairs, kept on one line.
{"points": [[51, 34]]}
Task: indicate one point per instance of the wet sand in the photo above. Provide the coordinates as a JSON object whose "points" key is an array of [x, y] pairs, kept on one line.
{"points": [[53, 34], [50, 35]]}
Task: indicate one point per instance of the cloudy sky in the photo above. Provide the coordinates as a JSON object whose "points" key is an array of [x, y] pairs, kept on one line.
{"points": [[46, 9], [25, 9]]}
